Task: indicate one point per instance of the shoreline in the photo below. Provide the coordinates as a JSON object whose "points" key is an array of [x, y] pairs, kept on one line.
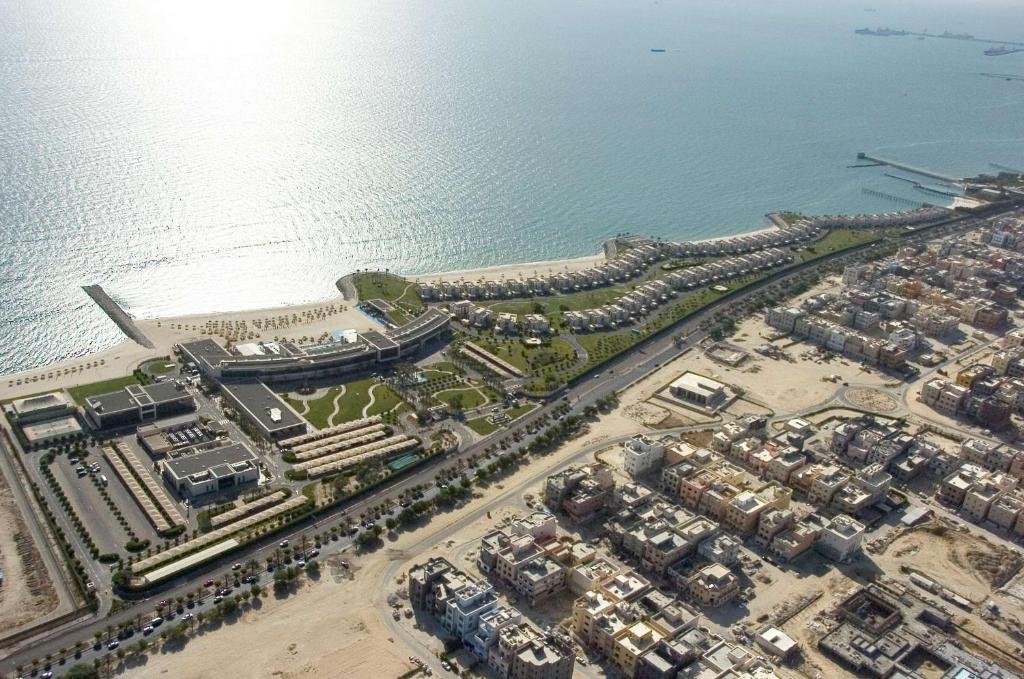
{"points": [[307, 320]]}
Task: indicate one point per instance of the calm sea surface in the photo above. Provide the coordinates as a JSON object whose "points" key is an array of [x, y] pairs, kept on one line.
{"points": [[204, 156]]}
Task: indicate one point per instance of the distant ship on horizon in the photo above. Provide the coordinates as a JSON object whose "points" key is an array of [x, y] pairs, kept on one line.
{"points": [[883, 32]]}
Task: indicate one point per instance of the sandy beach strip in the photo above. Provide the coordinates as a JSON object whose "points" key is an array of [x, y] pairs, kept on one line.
{"points": [[512, 271], [547, 267]]}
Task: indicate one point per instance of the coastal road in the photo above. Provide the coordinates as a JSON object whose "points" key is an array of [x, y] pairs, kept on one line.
{"points": [[617, 374]]}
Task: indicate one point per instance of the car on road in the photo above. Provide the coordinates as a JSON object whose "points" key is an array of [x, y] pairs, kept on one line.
{"points": [[147, 630], [157, 621], [283, 544], [47, 675], [236, 567], [446, 666], [114, 643], [208, 583], [217, 599], [312, 553]]}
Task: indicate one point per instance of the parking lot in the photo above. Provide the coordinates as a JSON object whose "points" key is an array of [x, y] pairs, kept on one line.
{"points": [[81, 489]]}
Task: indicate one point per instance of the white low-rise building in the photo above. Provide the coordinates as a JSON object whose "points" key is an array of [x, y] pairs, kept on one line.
{"points": [[641, 454]]}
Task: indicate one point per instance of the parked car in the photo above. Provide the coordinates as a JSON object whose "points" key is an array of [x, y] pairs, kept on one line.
{"points": [[147, 630]]}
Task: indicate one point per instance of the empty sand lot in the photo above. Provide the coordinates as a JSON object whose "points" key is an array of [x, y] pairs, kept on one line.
{"points": [[27, 593]]}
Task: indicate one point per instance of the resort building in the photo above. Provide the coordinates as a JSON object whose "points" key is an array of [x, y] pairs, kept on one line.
{"points": [[137, 404], [264, 411], [227, 469]]}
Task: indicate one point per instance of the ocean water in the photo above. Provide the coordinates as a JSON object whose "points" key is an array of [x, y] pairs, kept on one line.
{"points": [[204, 156]]}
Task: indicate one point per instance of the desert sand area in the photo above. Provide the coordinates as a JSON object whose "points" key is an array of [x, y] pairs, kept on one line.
{"points": [[337, 627], [804, 379], [27, 593]]}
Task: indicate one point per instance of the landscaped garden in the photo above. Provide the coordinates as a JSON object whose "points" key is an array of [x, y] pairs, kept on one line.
{"points": [[346, 402]]}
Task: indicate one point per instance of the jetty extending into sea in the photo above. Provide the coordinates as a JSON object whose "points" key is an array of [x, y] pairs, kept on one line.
{"points": [[117, 314]]}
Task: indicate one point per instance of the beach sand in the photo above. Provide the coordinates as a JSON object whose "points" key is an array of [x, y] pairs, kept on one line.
{"points": [[526, 270], [299, 322]]}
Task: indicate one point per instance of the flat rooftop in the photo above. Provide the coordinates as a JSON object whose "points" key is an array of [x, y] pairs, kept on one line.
{"points": [[210, 460], [379, 341], [61, 426], [698, 384], [263, 405], [205, 349], [31, 404], [136, 395]]}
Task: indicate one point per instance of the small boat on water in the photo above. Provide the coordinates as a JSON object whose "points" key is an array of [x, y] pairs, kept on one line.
{"points": [[1000, 51], [656, 49]]}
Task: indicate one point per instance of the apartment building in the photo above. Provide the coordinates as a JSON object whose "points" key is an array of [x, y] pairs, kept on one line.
{"points": [[713, 586], [841, 538], [641, 455]]}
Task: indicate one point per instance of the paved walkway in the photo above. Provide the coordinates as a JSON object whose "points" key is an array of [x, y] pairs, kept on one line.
{"points": [[337, 407]]}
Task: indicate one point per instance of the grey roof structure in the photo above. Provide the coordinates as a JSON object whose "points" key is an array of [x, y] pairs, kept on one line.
{"points": [[263, 405], [333, 357], [136, 395], [217, 461]]}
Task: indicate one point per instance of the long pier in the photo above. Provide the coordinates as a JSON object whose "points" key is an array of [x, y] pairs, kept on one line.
{"points": [[908, 168], [965, 38], [117, 314], [899, 200]]}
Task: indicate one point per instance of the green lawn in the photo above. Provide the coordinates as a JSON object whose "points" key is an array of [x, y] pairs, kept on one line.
{"points": [[516, 413], [357, 396], [158, 367], [319, 409], [377, 284], [398, 317], [555, 355], [442, 367], [481, 426], [350, 406], [84, 391], [463, 398], [838, 239]]}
